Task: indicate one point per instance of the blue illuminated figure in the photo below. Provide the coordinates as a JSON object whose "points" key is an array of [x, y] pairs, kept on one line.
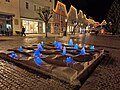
{"points": [[36, 53], [69, 60], [42, 44], [70, 43], [40, 47], [55, 42], [21, 49], [59, 46], [38, 61], [13, 55], [64, 51], [82, 52], [76, 46], [92, 48]]}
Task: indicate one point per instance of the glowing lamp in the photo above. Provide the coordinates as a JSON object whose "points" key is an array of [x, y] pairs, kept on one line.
{"points": [[82, 52], [38, 61]]}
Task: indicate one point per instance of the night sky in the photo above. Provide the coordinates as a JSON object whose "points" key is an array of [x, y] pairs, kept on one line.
{"points": [[97, 9]]}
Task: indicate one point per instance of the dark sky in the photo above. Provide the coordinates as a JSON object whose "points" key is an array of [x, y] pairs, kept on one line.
{"points": [[94, 8]]}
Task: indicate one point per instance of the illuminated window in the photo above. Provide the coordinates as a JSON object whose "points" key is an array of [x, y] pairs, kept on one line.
{"points": [[27, 5]]}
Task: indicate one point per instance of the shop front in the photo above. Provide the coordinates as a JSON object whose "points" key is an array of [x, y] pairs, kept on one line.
{"points": [[31, 26], [6, 27], [34, 26]]}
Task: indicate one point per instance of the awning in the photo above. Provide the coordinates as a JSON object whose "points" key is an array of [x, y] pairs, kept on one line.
{"points": [[6, 14]]}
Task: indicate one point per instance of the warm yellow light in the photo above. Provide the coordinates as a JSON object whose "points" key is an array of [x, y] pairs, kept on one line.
{"points": [[72, 8]]}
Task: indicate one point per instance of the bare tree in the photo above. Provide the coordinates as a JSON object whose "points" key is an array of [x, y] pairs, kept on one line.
{"points": [[114, 17], [45, 15]]}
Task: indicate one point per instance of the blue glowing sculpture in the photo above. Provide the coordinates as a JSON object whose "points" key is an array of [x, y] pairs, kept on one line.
{"points": [[42, 44], [92, 48], [83, 51], [21, 49], [36, 53], [69, 60], [59, 46], [70, 43], [38, 61], [13, 55], [40, 47], [76, 46], [55, 42], [64, 51]]}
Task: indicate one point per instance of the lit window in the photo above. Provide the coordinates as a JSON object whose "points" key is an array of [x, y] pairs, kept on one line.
{"points": [[27, 5]]}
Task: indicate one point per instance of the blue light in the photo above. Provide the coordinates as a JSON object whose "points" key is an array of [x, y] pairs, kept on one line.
{"points": [[83, 51], [70, 43], [13, 55], [38, 61], [40, 47], [36, 53], [92, 48], [21, 49], [64, 51], [76, 46], [42, 44], [59, 45], [55, 42], [69, 60]]}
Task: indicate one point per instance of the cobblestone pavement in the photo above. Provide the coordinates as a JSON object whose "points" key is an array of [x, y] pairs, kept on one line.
{"points": [[105, 77]]}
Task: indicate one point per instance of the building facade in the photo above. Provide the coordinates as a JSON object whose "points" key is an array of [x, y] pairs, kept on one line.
{"points": [[59, 17], [72, 19], [29, 17], [9, 16]]}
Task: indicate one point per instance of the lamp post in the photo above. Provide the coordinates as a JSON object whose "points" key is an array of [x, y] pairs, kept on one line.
{"points": [[65, 33]]}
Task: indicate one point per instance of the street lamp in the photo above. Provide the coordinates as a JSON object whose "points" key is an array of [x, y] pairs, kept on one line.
{"points": [[65, 33]]}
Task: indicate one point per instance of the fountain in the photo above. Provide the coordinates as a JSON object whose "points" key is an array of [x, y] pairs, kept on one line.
{"points": [[82, 52], [13, 55], [70, 43], [76, 47], [64, 51], [21, 49], [38, 61], [69, 60]]}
